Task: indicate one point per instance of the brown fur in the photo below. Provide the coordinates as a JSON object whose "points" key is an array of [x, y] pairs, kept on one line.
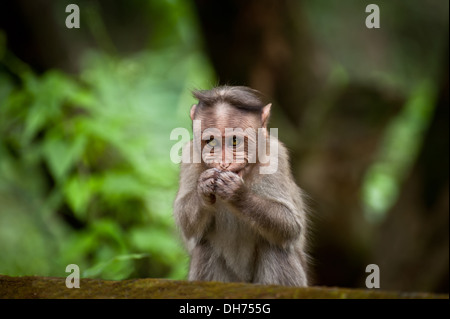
{"points": [[239, 225]]}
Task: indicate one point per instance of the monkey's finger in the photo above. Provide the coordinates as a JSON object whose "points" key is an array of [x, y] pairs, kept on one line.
{"points": [[208, 183], [220, 182], [210, 173], [223, 184], [207, 187], [207, 177], [229, 177]]}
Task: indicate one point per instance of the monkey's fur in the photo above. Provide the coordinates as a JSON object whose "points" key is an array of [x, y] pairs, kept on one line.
{"points": [[238, 224]]}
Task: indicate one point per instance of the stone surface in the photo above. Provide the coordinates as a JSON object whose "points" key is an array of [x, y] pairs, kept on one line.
{"points": [[51, 287]]}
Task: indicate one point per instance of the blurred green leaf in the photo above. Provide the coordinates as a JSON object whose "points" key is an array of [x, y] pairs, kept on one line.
{"points": [[401, 143], [91, 151], [61, 154], [78, 193], [116, 268]]}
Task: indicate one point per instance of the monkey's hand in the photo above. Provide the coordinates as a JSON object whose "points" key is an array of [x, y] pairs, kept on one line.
{"points": [[229, 185], [207, 184]]}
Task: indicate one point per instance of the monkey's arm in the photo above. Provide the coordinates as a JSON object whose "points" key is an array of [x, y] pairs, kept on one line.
{"points": [[272, 207], [192, 211]]}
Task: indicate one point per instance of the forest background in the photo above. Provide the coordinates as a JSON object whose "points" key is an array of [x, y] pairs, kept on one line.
{"points": [[86, 115]]}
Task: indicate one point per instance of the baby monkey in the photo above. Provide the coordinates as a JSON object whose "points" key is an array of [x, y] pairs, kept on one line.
{"points": [[239, 222]]}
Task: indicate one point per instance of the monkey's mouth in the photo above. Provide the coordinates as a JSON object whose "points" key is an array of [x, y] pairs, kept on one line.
{"points": [[239, 169]]}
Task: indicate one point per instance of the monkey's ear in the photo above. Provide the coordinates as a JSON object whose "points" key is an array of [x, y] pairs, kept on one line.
{"points": [[193, 111], [265, 114]]}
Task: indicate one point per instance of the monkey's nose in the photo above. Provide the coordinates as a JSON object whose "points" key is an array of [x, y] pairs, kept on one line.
{"points": [[224, 166]]}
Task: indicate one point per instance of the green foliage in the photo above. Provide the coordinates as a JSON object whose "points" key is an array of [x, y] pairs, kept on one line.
{"points": [[399, 148], [390, 59], [85, 172]]}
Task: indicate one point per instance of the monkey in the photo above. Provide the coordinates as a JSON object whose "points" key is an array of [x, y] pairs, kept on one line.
{"points": [[239, 225]]}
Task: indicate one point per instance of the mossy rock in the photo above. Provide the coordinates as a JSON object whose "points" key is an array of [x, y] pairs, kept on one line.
{"points": [[51, 287]]}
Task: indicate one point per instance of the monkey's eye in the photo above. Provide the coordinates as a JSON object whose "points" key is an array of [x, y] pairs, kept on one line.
{"points": [[212, 142], [235, 141]]}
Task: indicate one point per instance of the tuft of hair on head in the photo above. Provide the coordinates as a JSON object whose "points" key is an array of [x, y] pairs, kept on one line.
{"points": [[241, 97]]}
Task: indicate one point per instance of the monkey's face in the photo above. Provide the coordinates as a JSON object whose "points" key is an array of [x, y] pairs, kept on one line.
{"points": [[226, 153], [228, 139]]}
